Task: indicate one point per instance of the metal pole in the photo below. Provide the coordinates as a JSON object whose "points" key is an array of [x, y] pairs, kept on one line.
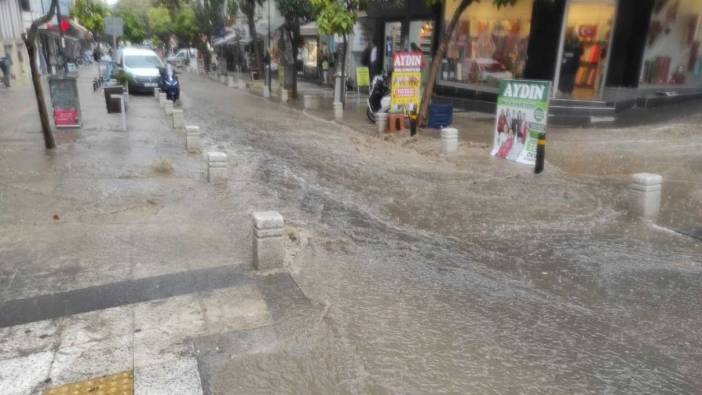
{"points": [[61, 39], [270, 61]]}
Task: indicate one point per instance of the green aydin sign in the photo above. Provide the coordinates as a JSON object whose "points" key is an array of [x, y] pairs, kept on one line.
{"points": [[522, 115]]}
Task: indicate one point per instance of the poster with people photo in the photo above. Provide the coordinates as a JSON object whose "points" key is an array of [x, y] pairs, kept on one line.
{"points": [[522, 115]]}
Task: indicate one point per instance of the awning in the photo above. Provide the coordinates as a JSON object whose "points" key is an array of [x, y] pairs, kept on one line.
{"points": [[231, 37], [75, 32], [309, 29], [81, 31]]}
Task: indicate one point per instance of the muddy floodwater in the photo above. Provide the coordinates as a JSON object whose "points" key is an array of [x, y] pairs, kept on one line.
{"points": [[471, 275], [406, 272]]}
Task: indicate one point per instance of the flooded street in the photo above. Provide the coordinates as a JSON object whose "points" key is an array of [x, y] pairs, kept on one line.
{"points": [[464, 275]]}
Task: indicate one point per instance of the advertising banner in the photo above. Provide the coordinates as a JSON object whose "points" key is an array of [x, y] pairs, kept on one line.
{"points": [[65, 101], [362, 76], [522, 115], [405, 90]]}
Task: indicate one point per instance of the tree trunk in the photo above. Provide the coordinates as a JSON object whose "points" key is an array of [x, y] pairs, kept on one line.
{"points": [[254, 41], [49, 141], [291, 61], [438, 58], [343, 71]]}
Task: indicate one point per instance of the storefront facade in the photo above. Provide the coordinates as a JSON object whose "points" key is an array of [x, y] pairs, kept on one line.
{"points": [[601, 55], [403, 26]]}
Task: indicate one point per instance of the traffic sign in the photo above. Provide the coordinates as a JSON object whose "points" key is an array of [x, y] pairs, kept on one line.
{"points": [[114, 26]]}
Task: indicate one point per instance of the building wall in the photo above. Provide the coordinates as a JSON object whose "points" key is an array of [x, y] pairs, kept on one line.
{"points": [[11, 44], [10, 20]]}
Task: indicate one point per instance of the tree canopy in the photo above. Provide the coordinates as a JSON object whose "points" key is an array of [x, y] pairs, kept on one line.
{"points": [[336, 16], [186, 25], [91, 14], [160, 21]]}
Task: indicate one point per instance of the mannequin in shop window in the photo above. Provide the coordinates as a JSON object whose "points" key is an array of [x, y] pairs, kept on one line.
{"points": [[572, 51]]}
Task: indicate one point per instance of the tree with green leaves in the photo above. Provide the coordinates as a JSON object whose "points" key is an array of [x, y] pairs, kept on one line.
{"points": [[91, 14], [248, 7], [338, 17], [186, 26], [160, 22], [134, 26], [441, 50], [211, 16], [295, 14], [134, 15]]}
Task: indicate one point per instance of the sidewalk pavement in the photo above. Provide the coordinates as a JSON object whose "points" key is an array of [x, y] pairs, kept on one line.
{"points": [[116, 255]]}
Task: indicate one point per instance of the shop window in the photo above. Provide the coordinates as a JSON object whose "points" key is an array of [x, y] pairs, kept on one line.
{"points": [[309, 55], [489, 43], [585, 46], [672, 55]]}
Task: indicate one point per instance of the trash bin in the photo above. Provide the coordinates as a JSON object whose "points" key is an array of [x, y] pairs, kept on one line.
{"points": [[440, 115], [113, 105]]}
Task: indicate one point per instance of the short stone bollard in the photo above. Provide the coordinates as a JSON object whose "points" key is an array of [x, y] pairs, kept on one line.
{"points": [[223, 78], [311, 102], [646, 195], [230, 81], [284, 95], [168, 107], [178, 119], [266, 91], [268, 240], [338, 110], [381, 120], [192, 139], [241, 84], [216, 167], [162, 99], [449, 140]]}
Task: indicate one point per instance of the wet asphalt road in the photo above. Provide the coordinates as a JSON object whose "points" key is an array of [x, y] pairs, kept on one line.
{"points": [[461, 276]]}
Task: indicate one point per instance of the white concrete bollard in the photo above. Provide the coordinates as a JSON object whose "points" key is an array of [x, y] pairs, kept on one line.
{"points": [[230, 81], [216, 166], [156, 93], [241, 84], [449, 140], [284, 96], [338, 110], [311, 102], [266, 91], [381, 121], [162, 99], [122, 109], [646, 195], [168, 107], [178, 119], [192, 139], [223, 78], [268, 240]]}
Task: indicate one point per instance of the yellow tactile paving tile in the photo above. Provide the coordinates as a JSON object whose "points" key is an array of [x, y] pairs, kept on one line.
{"points": [[116, 384]]}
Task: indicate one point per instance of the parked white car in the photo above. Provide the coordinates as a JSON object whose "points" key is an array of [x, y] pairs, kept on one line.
{"points": [[183, 57], [142, 66]]}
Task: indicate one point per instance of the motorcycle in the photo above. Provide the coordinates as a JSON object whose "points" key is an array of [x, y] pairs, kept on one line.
{"points": [[5, 67], [169, 83], [379, 97]]}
